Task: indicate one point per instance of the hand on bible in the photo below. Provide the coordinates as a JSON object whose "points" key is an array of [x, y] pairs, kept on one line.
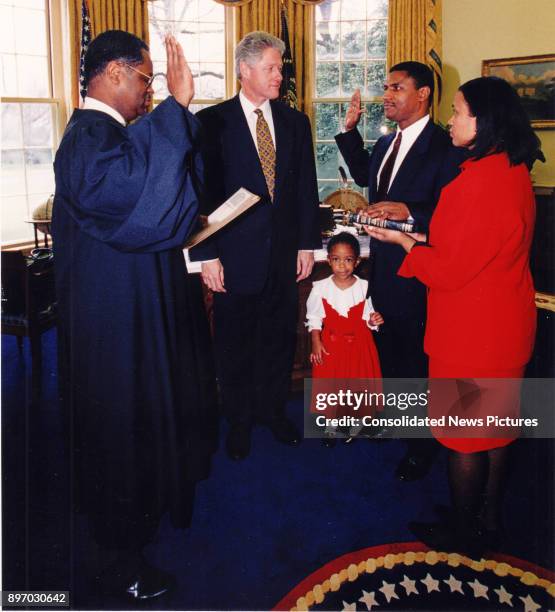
{"points": [[352, 116], [392, 236], [396, 211], [180, 79]]}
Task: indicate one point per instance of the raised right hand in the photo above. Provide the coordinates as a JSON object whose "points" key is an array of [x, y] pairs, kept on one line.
{"points": [[352, 116], [180, 80], [212, 273]]}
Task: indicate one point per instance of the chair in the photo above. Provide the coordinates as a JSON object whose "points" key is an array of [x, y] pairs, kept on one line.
{"points": [[28, 303]]}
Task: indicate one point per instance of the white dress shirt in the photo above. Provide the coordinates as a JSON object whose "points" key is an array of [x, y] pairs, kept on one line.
{"points": [[97, 105], [410, 134], [249, 108]]}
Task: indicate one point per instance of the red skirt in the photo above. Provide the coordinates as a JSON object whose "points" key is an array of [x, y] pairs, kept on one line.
{"points": [[478, 398]]}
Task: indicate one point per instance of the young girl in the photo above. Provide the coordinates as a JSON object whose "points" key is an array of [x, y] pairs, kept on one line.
{"points": [[344, 348]]}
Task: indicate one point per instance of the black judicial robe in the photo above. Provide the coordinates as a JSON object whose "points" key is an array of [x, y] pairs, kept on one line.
{"points": [[133, 336]]}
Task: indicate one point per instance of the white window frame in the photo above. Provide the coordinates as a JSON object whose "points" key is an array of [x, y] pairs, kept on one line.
{"points": [[57, 20]]}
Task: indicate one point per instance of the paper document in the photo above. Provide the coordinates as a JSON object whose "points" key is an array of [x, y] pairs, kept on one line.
{"points": [[234, 206]]}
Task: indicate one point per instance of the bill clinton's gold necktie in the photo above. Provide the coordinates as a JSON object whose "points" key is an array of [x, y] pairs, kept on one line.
{"points": [[266, 151]]}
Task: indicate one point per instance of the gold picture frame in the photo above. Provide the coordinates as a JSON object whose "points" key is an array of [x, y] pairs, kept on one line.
{"points": [[533, 78]]}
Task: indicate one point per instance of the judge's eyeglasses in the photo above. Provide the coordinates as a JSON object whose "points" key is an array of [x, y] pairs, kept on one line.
{"points": [[147, 80]]}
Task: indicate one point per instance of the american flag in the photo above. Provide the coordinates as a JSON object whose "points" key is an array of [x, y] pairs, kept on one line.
{"points": [[86, 35], [288, 89]]}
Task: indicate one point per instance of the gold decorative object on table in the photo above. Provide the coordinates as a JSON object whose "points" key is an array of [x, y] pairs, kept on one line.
{"points": [[346, 199]]}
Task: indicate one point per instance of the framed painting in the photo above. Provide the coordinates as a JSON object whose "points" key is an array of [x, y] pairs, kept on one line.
{"points": [[533, 78]]}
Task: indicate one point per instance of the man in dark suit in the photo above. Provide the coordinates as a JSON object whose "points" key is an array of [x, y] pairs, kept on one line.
{"points": [[405, 173], [256, 142]]}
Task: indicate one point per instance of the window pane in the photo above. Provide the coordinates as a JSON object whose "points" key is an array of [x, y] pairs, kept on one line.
{"points": [[352, 40], [14, 211], [213, 42], [327, 161], [329, 10], [7, 40], [375, 78], [186, 10], [199, 26], [12, 133], [195, 69], [36, 4], [9, 75], [325, 188], [32, 74], [212, 82], [376, 9], [352, 78], [38, 129], [40, 175], [377, 37], [327, 80], [157, 48], [188, 37], [211, 11], [30, 32], [327, 121], [327, 41], [375, 122], [353, 10], [13, 173]]}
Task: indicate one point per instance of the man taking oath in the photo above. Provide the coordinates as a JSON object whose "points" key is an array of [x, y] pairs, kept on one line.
{"points": [[404, 173]]}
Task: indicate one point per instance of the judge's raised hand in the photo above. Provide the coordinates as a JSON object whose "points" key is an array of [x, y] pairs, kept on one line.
{"points": [[212, 273], [352, 116], [396, 211], [180, 79]]}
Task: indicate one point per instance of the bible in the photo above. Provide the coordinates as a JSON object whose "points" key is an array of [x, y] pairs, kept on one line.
{"points": [[349, 218]]}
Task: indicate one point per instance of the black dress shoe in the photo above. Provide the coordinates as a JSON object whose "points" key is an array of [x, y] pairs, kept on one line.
{"points": [[469, 541], [412, 467], [238, 443], [150, 583], [329, 441], [285, 432], [136, 580]]}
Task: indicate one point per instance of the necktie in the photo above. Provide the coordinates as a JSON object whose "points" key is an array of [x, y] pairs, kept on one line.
{"points": [[385, 176], [266, 151]]}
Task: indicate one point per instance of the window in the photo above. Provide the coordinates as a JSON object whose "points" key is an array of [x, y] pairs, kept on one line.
{"points": [[350, 52], [200, 27], [32, 109]]}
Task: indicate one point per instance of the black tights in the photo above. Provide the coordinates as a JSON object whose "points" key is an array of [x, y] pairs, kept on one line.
{"points": [[477, 482]]}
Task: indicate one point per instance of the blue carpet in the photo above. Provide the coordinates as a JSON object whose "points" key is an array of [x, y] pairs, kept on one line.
{"points": [[260, 526]]}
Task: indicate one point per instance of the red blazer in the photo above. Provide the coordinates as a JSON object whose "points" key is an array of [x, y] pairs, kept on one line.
{"points": [[481, 308]]}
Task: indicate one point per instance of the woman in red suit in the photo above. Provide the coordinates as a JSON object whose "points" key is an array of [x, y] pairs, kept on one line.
{"points": [[481, 312]]}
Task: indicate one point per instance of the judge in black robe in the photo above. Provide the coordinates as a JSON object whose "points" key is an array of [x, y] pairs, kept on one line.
{"points": [[132, 330]]}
